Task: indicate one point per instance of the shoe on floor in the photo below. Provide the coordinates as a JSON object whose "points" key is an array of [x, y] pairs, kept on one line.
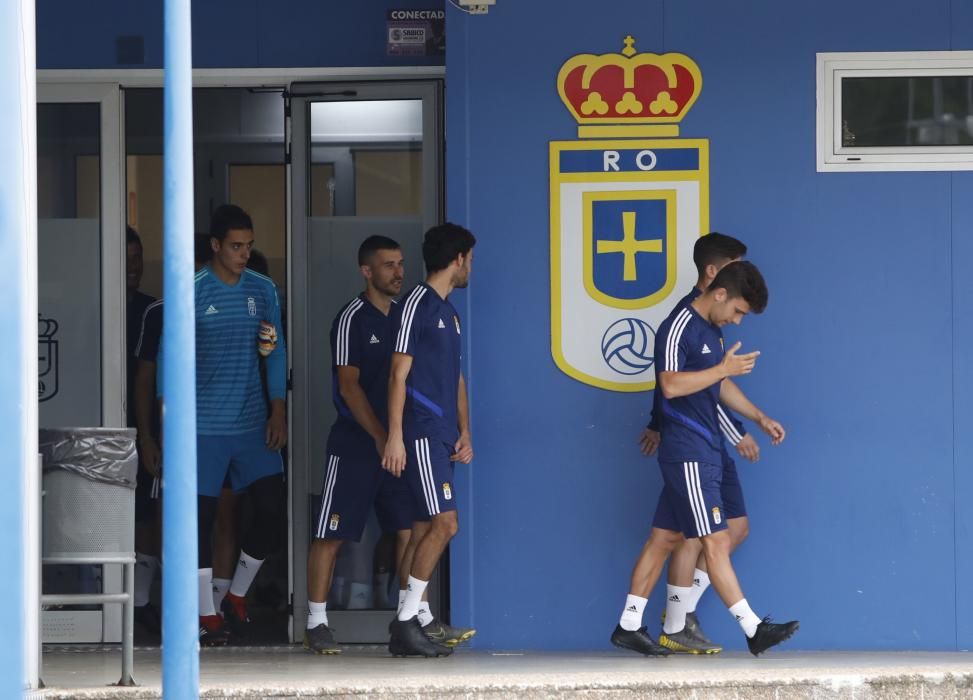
{"points": [[638, 641]]}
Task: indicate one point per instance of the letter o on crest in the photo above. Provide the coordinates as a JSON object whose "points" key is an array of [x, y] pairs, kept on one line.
{"points": [[646, 160]]}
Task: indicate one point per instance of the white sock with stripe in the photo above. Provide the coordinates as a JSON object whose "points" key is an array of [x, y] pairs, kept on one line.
{"points": [[700, 584], [677, 602], [246, 572], [317, 614], [632, 614], [413, 597], [145, 567], [220, 588], [745, 616], [425, 615], [206, 592]]}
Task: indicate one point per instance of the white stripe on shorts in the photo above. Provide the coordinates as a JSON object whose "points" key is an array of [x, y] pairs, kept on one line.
{"points": [[696, 501], [329, 480]]}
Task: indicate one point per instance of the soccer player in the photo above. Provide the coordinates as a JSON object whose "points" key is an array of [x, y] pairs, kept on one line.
{"points": [[237, 322], [362, 336], [688, 578], [146, 525], [429, 427], [692, 369]]}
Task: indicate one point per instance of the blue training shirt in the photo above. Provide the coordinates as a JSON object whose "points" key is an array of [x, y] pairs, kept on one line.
{"points": [[362, 337], [687, 342], [229, 394], [731, 426], [429, 331]]}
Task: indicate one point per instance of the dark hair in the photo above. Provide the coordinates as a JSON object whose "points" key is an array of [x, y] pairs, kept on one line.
{"points": [[743, 280], [226, 218], [715, 249], [258, 263], [132, 237], [373, 244], [201, 248], [443, 243]]}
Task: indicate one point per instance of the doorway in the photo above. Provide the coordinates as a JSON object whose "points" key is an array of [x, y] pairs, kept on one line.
{"points": [[366, 159]]}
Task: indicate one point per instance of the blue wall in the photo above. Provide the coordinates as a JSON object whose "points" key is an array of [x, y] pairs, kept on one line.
{"points": [[860, 521], [226, 33]]}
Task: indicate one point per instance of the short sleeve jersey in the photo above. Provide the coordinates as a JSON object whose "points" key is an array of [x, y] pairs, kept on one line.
{"points": [[362, 337], [229, 393], [150, 335], [429, 330], [135, 310], [730, 425], [686, 342]]}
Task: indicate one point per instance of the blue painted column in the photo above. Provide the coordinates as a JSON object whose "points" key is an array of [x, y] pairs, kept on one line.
{"points": [[180, 655], [18, 315]]}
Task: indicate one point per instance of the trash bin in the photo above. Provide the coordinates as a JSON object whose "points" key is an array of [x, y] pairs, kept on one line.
{"points": [[89, 492], [88, 513]]}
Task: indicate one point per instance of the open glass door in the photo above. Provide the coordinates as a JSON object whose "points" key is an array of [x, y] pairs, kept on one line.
{"points": [[366, 159], [81, 305]]}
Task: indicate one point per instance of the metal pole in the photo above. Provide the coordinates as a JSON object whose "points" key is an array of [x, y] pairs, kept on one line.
{"points": [[180, 641], [18, 315]]}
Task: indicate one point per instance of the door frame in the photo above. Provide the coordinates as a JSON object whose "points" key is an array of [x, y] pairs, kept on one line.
{"points": [[112, 226], [302, 95]]}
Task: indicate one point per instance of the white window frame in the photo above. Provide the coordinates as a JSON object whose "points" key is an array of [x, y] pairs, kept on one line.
{"points": [[832, 67]]}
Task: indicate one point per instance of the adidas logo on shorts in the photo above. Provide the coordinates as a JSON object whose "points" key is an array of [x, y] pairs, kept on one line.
{"points": [[441, 324], [706, 350], [211, 310], [374, 340]]}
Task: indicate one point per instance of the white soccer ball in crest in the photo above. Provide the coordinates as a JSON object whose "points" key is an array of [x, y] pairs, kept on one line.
{"points": [[628, 346]]}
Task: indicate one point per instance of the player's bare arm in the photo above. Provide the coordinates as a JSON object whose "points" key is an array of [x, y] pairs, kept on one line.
{"points": [[277, 424], [732, 396], [463, 449], [676, 384], [144, 399], [394, 458], [354, 397]]}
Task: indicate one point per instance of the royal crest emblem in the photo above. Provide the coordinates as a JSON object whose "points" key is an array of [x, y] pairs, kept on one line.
{"points": [[628, 202]]}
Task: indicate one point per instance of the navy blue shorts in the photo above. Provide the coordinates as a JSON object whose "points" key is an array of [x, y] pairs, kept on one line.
{"points": [[691, 501], [429, 473], [148, 491], [245, 458], [355, 481], [732, 490]]}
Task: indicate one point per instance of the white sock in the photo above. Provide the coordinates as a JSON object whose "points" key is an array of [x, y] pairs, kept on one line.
{"points": [[145, 567], [677, 599], [220, 587], [745, 616], [206, 593], [402, 593], [413, 596], [317, 614], [632, 614], [246, 572], [700, 584], [425, 615]]}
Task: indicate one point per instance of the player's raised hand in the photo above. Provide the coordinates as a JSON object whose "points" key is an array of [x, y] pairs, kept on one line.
{"points": [[463, 450], [394, 459], [649, 441], [748, 448], [774, 429], [734, 365]]}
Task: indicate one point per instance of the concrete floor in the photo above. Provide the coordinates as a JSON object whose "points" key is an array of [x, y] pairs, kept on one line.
{"points": [[369, 672]]}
